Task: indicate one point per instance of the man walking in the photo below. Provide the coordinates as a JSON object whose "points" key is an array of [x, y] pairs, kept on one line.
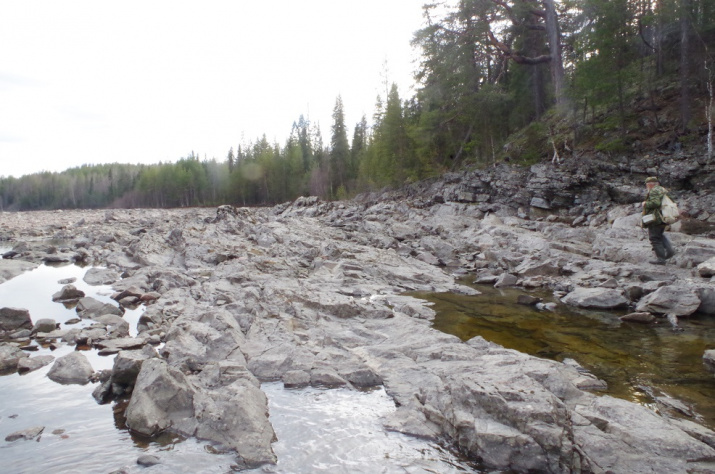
{"points": [[653, 221]]}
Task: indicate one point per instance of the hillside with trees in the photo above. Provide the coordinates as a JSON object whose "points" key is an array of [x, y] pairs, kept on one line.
{"points": [[498, 80]]}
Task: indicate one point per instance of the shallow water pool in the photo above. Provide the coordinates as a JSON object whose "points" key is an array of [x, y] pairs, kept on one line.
{"points": [[318, 430], [649, 364]]}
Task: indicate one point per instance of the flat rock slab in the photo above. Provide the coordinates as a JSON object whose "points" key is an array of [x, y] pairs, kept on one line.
{"points": [[112, 346], [679, 301], [100, 276], [596, 298], [29, 433], [9, 269], [28, 364], [90, 308]]}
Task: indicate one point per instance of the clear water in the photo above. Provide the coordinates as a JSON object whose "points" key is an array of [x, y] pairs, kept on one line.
{"points": [[640, 362], [340, 431], [336, 431]]}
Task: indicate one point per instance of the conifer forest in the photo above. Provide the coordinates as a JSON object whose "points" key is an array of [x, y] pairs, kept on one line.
{"points": [[496, 80]]}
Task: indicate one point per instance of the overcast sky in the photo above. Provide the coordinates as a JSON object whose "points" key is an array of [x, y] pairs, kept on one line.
{"points": [[86, 82]]}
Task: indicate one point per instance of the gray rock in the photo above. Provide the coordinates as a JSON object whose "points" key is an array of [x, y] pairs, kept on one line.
{"points": [[90, 308], [528, 300], [213, 335], [128, 363], [671, 299], [537, 268], [596, 298], [117, 327], [73, 368], [21, 334], [112, 346], [296, 379], [100, 276], [505, 280], [68, 293], [326, 377], [707, 300], [162, 398], [148, 460], [707, 268], [10, 356], [541, 203], [12, 319], [27, 434], [44, 325], [29, 364], [638, 318], [709, 360], [317, 291], [11, 268], [236, 417]]}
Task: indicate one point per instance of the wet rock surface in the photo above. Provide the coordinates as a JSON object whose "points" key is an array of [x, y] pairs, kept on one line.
{"points": [[73, 368], [311, 293]]}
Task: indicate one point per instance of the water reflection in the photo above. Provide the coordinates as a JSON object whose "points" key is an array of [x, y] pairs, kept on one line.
{"points": [[33, 291], [80, 435], [340, 430], [318, 430], [638, 361]]}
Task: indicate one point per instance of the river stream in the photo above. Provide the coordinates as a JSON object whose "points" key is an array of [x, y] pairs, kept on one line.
{"points": [[651, 364], [318, 430]]}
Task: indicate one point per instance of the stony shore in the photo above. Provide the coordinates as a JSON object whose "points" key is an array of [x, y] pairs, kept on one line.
{"points": [[312, 293]]}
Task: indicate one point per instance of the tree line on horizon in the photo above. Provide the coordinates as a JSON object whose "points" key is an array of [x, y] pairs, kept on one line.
{"points": [[488, 69]]}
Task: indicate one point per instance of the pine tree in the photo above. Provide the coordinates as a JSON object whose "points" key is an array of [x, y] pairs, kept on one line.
{"points": [[339, 149]]}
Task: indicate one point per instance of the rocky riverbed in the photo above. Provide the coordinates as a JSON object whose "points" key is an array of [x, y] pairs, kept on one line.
{"points": [[312, 293]]}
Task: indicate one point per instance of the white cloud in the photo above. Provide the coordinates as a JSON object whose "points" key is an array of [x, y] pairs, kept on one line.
{"points": [[91, 82]]}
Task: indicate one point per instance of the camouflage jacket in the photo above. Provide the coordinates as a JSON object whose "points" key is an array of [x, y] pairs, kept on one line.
{"points": [[653, 200]]}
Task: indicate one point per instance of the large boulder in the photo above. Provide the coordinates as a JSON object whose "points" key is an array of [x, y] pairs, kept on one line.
{"points": [[163, 398], [12, 319], [10, 356], [128, 364], [236, 417], [596, 298], [193, 342], [73, 368], [671, 299]]}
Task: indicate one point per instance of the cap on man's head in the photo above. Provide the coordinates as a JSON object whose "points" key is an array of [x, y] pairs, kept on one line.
{"points": [[651, 179]]}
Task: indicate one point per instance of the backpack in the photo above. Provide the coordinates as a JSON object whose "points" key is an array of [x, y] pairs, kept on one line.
{"points": [[669, 211]]}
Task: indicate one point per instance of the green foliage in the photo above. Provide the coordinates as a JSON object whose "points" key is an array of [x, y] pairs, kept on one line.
{"points": [[487, 82], [614, 145], [535, 144]]}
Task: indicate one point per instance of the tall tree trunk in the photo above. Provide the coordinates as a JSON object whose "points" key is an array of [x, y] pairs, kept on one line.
{"points": [[659, 40], [709, 112], [684, 69], [557, 63]]}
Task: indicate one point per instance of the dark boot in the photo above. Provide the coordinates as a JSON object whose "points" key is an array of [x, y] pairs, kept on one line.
{"points": [[668, 247]]}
